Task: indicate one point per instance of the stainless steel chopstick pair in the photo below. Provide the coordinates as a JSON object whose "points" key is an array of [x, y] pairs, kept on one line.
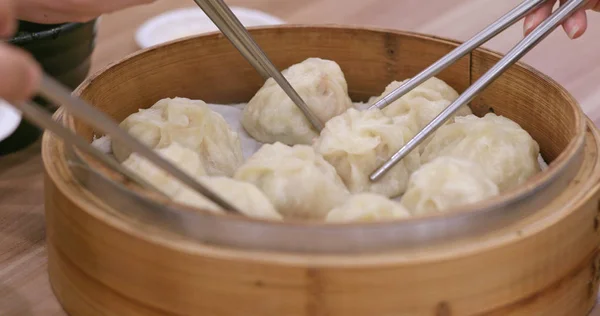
{"points": [[524, 46], [237, 34], [229, 25], [218, 11], [58, 94], [222, 16]]}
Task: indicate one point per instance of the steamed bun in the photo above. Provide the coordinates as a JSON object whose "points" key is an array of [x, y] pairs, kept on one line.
{"points": [[426, 101], [357, 143], [298, 181], [146, 125], [191, 124], [245, 196], [367, 207], [186, 159], [271, 116], [447, 182], [507, 153]]}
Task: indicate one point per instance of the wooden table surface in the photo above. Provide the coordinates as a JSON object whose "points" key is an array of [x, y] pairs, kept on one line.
{"points": [[24, 288]]}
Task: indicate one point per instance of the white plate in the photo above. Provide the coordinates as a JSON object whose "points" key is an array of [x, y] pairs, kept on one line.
{"points": [[192, 21], [10, 118]]}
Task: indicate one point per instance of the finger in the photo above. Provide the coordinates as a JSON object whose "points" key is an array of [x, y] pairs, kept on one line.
{"points": [[20, 74], [60, 11], [49, 12], [595, 5], [110, 6], [53, 18], [8, 21], [538, 16], [576, 25], [84, 8]]}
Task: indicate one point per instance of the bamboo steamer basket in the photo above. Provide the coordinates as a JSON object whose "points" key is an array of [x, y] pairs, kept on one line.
{"points": [[102, 261]]}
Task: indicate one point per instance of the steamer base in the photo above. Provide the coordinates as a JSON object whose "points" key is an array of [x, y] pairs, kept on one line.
{"points": [[103, 264]]}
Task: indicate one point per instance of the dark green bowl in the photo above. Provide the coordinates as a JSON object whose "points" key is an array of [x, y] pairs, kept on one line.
{"points": [[64, 51]]}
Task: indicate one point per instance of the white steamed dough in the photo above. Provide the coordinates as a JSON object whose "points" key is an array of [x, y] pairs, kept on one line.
{"points": [[265, 158], [447, 182], [190, 123], [367, 207], [271, 116], [422, 104], [356, 143], [507, 153], [427, 101], [186, 159], [244, 196], [298, 181]]}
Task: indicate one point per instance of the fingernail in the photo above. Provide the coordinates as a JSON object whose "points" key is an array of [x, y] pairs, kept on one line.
{"points": [[527, 26], [573, 31]]}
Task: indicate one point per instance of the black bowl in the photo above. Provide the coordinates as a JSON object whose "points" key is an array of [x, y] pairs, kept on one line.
{"points": [[64, 51]]}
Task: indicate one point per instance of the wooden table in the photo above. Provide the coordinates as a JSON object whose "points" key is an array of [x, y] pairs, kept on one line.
{"points": [[24, 288]]}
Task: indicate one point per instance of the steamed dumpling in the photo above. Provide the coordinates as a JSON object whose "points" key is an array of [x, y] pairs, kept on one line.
{"points": [[426, 101], [271, 116], [367, 207], [146, 125], [507, 153], [299, 182], [245, 196], [186, 159], [356, 143], [190, 123], [447, 182]]}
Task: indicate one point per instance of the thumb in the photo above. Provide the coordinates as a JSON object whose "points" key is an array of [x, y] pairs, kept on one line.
{"points": [[7, 18], [19, 74]]}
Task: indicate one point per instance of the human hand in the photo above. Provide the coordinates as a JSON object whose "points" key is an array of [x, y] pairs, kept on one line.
{"points": [[60, 11], [20, 73], [575, 26]]}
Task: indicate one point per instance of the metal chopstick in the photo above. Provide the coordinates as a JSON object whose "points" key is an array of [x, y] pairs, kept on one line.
{"points": [[524, 46], [233, 37], [237, 34], [43, 119], [58, 94], [479, 39]]}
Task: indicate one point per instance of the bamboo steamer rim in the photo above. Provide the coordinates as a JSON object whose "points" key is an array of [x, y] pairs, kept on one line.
{"points": [[529, 188], [140, 231]]}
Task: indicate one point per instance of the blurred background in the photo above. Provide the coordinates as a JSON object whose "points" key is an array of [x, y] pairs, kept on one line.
{"points": [[571, 63]]}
